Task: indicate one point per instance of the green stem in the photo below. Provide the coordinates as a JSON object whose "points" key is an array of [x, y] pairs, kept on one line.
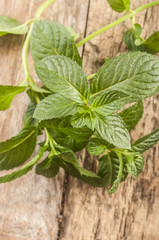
{"points": [[115, 23], [24, 56], [30, 21], [42, 8], [148, 5], [91, 76], [51, 141], [132, 18], [27, 43]]}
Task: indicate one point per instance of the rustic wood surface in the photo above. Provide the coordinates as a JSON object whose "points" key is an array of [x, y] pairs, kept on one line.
{"points": [[63, 208]]}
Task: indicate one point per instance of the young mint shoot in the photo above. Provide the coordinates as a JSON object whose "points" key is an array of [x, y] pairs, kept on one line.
{"points": [[74, 113]]}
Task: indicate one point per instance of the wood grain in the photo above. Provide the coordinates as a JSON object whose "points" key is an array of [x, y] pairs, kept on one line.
{"points": [[30, 207], [132, 212]]}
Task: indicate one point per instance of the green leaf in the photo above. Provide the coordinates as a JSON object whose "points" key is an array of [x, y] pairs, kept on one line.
{"points": [[65, 135], [7, 94], [135, 165], [64, 76], [73, 34], [68, 157], [113, 130], [66, 143], [16, 150], [28, 116], [47, 168], [125, 170], [63, 126], [106, 167], [152, 43], [69, 163], [156, 91], [110, 102], [132, 115], [119, 5], [110, 168], [22, 171], [10, 25], [131, 36], [143, 144], [118, 177], [97, 146], [77, 134], [55, 106], [135, 74], [134, 42], [73, 144], [51, 38], [80, 120]]}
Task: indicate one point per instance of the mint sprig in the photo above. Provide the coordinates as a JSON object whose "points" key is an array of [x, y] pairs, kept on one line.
{"points": [[75, 113]]}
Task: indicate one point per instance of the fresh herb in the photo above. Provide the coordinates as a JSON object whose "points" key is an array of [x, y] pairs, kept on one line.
{"points": [[74, 113], [10, 25]]}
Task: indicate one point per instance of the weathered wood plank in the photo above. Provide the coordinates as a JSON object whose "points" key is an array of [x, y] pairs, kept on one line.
{"points": [[30, 207], [131, 213], [88, 213]]}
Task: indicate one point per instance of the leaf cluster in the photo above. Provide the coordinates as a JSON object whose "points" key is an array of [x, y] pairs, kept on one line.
{"points": [[75, 113]]}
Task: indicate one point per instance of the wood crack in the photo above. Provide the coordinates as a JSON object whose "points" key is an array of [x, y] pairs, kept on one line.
{"points": [[60, 219], [85, 31], [97, 230]]}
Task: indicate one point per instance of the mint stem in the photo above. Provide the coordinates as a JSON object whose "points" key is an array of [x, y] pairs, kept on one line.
{"points": [[115, 23], [24, 56], [42, 8], [91, 76], [27, 43]]}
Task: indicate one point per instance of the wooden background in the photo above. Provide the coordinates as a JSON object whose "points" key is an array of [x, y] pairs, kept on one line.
{"points": [[63, 208]]}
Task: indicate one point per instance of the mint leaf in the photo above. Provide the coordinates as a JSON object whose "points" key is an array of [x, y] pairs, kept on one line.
{"points": [[16, 150], [146, 142], [152, 43], [78, 134], [69, 142], [69, 163], [64, 76], [134, 42], [68, 157], [10, 25], [110, 102], [51, 38], [67, 136], [55, 106], [47, 168], [29, 120], [113, 130], [118, 177], [97, 146], [131, 36], [125, 170], [63, 126], [135, 165], [106, 167], [80, 120], [135, 74], [110, 168], [22, 171], [119, 5], [73, 144], [7, 94], [132, 115]]}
